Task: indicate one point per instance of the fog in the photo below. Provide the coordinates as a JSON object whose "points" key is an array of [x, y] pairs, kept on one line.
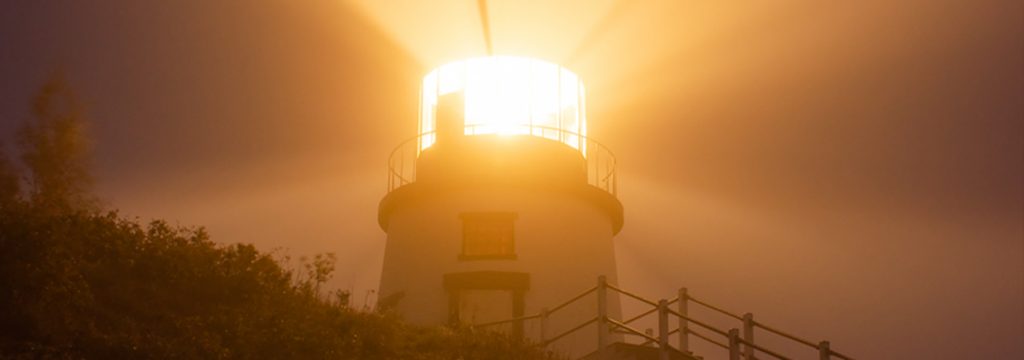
{"points": [[849, 171]]}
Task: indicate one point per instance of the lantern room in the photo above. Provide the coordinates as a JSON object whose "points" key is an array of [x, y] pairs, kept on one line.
{"points": [[508, 95]]}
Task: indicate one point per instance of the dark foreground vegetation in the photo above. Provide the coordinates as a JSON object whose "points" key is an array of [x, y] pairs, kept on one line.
{"points": [[77, 281]]}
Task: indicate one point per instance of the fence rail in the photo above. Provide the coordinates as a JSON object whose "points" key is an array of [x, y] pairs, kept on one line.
{"points": [[740, 344]]}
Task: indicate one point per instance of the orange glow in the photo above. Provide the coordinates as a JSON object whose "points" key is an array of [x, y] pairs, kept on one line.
{"points": [[510, 96]]}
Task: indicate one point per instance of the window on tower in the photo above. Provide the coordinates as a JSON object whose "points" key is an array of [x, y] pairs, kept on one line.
{"points": [[488, 235]]}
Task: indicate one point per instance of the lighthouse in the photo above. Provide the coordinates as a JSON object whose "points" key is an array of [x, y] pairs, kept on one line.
{"points": [[501, 206]]}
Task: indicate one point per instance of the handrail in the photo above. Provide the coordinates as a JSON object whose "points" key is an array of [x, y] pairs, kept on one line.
{"points": [[766, 351], [838, 355], [670, 333], [546, 313], [708, 339], [645, 313], [570, 301], [600, 161], [762, 326], [622, 327], [648, 312], [715, 308], [398, 174], [702, 324], [540, 314], [786, 335], [632, 330], [567, 332], [726, 334], [627, 293]]}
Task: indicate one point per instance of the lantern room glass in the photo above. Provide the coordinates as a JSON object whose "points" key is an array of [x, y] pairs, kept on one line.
{"points": [[508, 95]]}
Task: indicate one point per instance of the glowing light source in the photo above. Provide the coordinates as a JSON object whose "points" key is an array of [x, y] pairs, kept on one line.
{"points": [[509, 95]]}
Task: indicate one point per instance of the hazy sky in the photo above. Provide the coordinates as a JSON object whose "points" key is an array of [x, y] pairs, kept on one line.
{"points": [[850, 171]]}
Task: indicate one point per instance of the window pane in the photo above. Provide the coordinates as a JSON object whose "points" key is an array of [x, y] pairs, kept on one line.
{"points": [[488, 234]]}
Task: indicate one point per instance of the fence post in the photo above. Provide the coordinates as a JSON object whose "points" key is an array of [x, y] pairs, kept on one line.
{"points": [[734, 344], [684, 326], [543, 324], [748, 336], [824, 353], [663, 330], [602, 315]]}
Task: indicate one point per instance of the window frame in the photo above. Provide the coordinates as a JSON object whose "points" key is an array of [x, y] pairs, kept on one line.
{"points": [[489, 216]]}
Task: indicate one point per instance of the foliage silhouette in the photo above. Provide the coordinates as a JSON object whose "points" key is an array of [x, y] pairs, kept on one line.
{"points": [[79, 282]]}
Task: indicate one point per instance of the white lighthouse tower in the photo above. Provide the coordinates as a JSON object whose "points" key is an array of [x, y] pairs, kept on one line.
{"points": [[501, 206]]}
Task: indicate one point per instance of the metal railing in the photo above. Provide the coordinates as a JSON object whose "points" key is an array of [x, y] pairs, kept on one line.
{"points": [[739, 343], [600, 161]]}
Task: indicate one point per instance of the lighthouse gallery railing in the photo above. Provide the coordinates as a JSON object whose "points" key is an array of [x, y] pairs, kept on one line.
{"points": [[600, 160]]}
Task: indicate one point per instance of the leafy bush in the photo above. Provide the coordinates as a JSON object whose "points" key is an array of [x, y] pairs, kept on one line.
{"points": [[90, 285], [76, 282]]}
